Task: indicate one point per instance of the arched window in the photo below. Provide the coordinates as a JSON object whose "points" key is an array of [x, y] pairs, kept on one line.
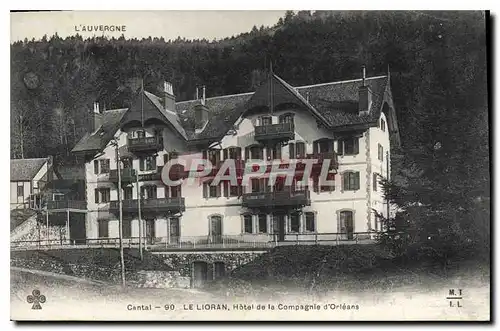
{"points": [[216, 228], [346, 223]]}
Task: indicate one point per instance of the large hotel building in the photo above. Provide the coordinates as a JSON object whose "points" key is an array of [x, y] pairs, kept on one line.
{"points": [[350, 123]]}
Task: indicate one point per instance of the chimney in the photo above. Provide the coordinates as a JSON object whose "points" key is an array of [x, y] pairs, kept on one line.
{"points": [[95, 118], [168, 96], [200, 112], [365, 96]]}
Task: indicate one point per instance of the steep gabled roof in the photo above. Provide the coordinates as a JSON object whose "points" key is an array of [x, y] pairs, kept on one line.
{"points": [[25, 169], [171, 116], [335, 104], [96, 141]]}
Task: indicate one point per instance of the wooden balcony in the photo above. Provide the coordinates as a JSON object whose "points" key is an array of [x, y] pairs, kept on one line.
{"points": [[287, 198], [66, 204], [128, 175], [149, 205], [275, 132], [145, 144]]}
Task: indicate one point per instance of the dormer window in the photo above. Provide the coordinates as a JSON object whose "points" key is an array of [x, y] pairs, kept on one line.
{"points": [[382, 125]]}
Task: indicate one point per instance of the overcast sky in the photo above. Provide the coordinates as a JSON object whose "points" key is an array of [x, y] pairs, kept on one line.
{"points": [[166, 24]]}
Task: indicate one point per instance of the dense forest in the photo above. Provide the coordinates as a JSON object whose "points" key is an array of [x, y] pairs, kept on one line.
{"points": [[437, 60]]}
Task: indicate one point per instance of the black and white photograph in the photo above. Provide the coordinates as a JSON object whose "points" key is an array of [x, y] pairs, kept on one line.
{"points": [[291, 165]]}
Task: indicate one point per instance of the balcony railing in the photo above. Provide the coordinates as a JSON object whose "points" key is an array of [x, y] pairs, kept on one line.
{"points": [[229, 242], [145, 144], [277, 199], [128, 175], [281, 131], [66, 204], [161, 204]]}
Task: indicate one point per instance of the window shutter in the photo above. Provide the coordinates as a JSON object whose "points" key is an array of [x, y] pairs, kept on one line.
{"points": [[218, 190], [96, 167], [226, 188], [356, 145], [331, 176], [247, 153], [277, 152], [96, 195], [205, 190], [153, 161], [356, 180], [141, 164], [340, 147], [165, 158], [345, 181], [316, 184], [224, 153], [291, 151]]}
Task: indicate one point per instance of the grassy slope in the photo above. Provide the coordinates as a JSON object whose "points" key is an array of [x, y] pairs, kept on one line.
{"points": [[345, 267]]}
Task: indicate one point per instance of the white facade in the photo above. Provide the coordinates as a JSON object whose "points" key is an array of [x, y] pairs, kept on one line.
{"points": [[196, 220]]}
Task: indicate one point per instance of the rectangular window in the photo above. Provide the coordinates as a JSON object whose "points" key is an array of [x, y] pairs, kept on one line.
{"points": [[96, 167], [127, 228], [325, 146], [310, 225], [213, 191], [351, 146], [262, 223], [256, 153], [265, 120], [255, 185], [150, 163], [247, 219], [382, 125], [300, 150], [275, 152], [294, 222], [380, 152], [103, 229], [214, 156], [102, 195], [166, 158], [375, 181], [351, 181], [127, 193], [175, 191], [235, 191], [234, 153], [20, 191], [149, 191], [140, 133], [104, 164]]}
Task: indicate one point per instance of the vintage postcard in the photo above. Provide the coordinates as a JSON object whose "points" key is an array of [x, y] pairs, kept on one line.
{"points": [[250, 165]]}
